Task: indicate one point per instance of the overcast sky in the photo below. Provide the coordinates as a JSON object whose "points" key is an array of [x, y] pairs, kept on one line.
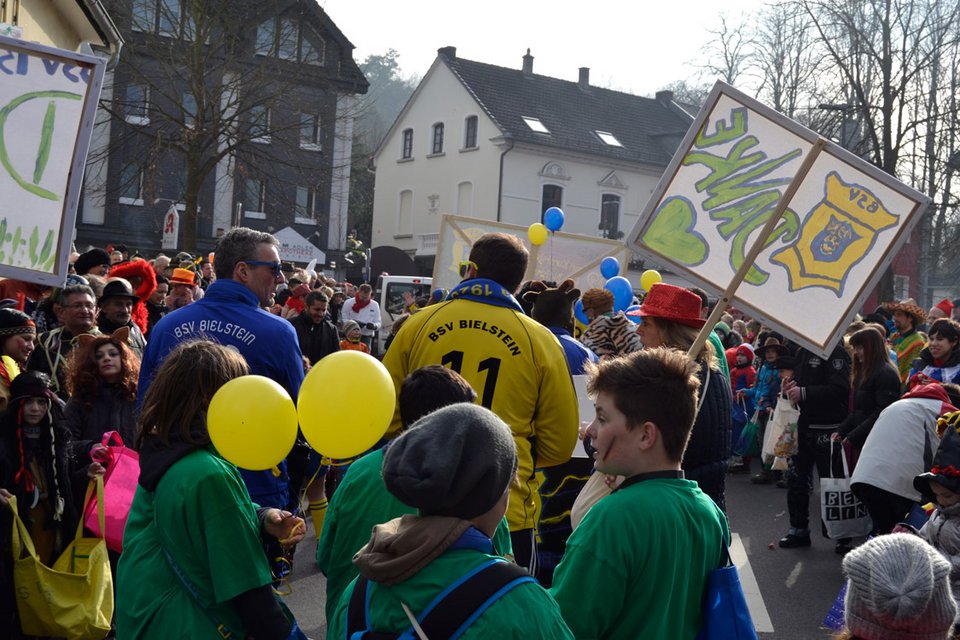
{"points": [[630, 46]]}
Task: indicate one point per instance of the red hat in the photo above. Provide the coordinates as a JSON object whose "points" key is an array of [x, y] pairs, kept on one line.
{"points": [[670, 302], [946, 306]]}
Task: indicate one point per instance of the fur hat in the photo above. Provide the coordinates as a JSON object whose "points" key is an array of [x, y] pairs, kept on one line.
{"points": [[13, 322], [600, 300], [456, 461], [898, 587], [90, 259], [553, 307], [909, 307], [673, 303]]}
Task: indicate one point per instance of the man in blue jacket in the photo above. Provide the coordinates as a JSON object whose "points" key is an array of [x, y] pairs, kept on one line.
{"points": [[247, 266]]}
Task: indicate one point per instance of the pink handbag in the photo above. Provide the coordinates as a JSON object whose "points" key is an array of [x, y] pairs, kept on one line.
{"points": [[119, 487]]}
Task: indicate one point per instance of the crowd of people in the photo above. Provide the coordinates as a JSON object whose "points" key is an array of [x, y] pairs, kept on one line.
{"points": [[435, 532]]}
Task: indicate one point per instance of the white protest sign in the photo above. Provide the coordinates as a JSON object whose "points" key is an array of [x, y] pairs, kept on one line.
{"points": [[563, 255], [48, 99], [840, 229]]}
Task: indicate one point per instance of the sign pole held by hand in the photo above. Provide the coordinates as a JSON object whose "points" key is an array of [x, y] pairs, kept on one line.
{"points": [[756, 248]]}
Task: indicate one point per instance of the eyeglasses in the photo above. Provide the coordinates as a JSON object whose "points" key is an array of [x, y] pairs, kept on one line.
{"points": [[263, 263], [86, 306], [465, 267]]}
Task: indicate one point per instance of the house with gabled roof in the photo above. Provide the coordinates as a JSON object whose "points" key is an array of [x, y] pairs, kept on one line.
{"points": [[504, 144]]}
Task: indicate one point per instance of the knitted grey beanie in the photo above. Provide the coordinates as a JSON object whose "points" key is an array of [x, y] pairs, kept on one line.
{"points": [[456, 461], [899, 588]]}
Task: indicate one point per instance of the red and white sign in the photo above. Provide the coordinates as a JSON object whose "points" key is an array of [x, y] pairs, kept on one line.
{"points": [[171, 228]]}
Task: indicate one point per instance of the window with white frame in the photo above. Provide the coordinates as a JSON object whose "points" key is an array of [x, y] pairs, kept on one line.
{"points": [[437, 146], [535, 124], [608, 138], [470, 132], [610, 216], [189, 108], [260, 124], [131, 183], [310, 133], [136, 105], [254, 196], [305, 210], [406, 149]]}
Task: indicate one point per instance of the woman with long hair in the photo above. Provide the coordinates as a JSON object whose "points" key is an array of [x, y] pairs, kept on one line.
{"points": [[193, 564], [875, 385], [670, 317], [102, 380]]}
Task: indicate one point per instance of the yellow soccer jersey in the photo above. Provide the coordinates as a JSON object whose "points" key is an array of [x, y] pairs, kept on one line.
{"points": [[518, 370]]}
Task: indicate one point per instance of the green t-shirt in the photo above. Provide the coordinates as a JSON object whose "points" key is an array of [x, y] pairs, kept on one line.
{"points": [[642, 554], [201, 514], [526, 611], [360, 502]]}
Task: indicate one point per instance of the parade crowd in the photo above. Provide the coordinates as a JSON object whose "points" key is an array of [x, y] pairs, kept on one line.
{"points": [[438, 530]]}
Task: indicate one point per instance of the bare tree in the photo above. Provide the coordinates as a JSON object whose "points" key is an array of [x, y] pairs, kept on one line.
{"points": [[730, 51]]}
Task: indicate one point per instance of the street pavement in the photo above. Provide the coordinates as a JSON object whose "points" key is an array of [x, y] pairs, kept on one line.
{"points": [[789, 590]]}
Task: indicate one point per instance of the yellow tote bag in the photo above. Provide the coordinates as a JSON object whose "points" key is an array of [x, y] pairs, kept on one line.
{"points": [[74, 598]]}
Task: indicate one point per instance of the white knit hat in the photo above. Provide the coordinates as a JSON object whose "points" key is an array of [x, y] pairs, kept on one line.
{"points": [[899, 588]]}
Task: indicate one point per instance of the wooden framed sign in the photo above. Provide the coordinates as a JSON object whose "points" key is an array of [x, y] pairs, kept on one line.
{"points": [[840, 220], [48, 100]]}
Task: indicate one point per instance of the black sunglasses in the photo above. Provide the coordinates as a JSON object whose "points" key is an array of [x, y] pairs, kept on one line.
{"points": [[276, 266]]}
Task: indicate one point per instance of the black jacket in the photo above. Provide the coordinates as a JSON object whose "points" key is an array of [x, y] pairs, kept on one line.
{"points": [[316, 340], [705, 459], [109, 411], [825, 387], [877, 393]]}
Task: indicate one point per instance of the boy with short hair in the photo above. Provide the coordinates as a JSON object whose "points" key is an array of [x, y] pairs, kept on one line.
{"points": [[642, 553]]}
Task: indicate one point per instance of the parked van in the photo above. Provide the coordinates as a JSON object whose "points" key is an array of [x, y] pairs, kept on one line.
{"points": [[393, 294]]}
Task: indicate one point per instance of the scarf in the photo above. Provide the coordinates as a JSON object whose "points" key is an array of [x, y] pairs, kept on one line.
{"points": [[358, 305], [485, 291]]}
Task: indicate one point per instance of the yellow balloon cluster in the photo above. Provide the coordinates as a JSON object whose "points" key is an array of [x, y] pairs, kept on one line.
{"points": [[537, 233]]}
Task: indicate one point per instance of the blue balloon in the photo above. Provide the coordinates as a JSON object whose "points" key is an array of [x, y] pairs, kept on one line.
{"points": [[610, 267], [579, 314], [553, 218], [634, 319], [622, 292]]}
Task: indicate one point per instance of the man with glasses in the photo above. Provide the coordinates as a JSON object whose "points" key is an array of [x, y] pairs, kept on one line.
{"points": [[232, 313], [76, 309]]}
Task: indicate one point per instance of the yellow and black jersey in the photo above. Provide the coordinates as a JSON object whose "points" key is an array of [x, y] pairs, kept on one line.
{"points": [[518, 370]]}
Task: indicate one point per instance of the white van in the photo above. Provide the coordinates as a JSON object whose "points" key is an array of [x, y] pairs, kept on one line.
{"points": [[389, 294]]}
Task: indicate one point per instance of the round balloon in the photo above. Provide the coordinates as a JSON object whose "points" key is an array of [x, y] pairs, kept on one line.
{"points": [[346, 404], [553, 218], [252, 422], [622, 292], [649, 278], [578, 312], [610, 267], [537, 233], [633, 307]]}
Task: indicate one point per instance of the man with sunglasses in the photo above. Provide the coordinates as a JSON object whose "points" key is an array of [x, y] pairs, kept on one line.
{"points": [[248, 270]]}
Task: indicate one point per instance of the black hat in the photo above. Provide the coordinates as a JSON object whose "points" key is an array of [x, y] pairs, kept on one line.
{"points": [[785, 362], [30, 384], [945, 469], [118, 288], [456, 461], [91, 259], [13, 322]]}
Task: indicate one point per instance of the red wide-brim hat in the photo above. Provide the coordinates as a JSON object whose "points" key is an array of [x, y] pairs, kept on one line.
{"points": [[673, 303]]}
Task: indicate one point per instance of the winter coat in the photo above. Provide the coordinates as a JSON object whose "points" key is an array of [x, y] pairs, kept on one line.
{"points": [[109, 411], [946, 371], [876, 393], [824, 387], [316, 340], [611, 336], [942, 530], [764, 392], [705, 459]]}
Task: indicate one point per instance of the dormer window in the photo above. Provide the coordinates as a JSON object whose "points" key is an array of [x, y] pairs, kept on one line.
{"points": [[608, 138], [535, 125]]}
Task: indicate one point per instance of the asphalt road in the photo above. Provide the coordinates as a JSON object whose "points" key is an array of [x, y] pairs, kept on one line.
{"points": [[797, 586]]}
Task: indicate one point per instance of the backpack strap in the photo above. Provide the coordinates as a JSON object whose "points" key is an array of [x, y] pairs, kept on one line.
{"points": [[451, 612]]}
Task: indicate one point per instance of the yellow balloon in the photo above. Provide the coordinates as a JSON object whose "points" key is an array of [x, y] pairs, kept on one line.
{"points": [[537, 233], [252, 422], [346, 403], [649, 278]]}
